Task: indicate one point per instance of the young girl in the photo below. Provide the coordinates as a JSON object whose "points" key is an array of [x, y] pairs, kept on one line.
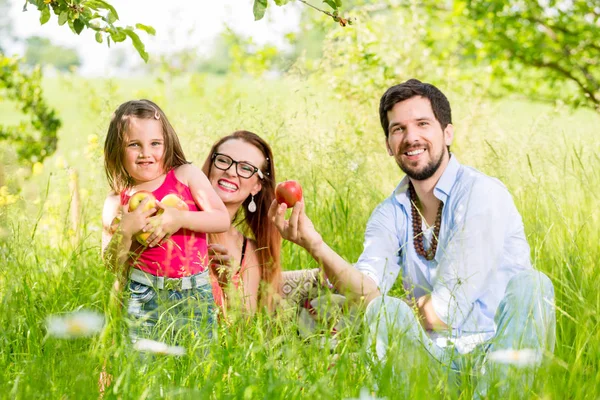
{"points": [[167, 277], [241, 170]]}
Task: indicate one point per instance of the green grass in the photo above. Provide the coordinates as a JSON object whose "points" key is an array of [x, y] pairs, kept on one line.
{"points": [[548, 158]]}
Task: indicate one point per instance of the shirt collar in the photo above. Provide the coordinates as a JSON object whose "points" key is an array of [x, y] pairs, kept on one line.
{"points": [[442, 188], [446, 181]]}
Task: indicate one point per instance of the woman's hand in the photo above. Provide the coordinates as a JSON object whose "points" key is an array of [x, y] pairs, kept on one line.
{"points": [[163, 225], [220, 262], [134, 221], [298, 229]]}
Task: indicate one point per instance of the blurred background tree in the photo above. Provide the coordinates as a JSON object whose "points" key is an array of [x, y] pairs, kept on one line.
{"points": [[546, 49], [41, 51]]}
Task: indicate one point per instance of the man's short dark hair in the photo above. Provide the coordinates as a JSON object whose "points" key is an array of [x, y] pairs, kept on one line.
{"points": [[411, 88]]}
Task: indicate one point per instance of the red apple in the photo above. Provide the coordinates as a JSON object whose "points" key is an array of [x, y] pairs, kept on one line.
{"points": [[288, 192]]}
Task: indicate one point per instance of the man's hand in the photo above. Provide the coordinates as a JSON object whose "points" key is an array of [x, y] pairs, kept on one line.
{"points": [[298, 229], [429, 319]]}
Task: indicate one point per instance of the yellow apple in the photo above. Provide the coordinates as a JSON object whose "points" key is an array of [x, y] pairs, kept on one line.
{"points": [[138, 197], [172, 200], [114, 225], [142, 237]]}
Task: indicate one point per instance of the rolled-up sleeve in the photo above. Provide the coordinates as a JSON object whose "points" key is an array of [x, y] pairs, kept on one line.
{"points": [[473, 252], [380, 258]]}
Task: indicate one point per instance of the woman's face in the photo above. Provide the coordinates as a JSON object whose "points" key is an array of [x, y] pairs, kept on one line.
{"points": [[232, 188]]}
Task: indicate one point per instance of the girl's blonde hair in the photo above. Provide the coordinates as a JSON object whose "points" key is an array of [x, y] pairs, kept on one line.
{"points": [[114, 145]]}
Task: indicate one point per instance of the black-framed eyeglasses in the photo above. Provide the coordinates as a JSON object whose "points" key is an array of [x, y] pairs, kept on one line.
{"points": [[244, 169]]}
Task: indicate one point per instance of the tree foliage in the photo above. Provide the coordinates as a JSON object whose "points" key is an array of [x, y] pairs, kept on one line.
{"points": [[260, 8], [97, 15], [561, 39], [547, 50], [36, 138]]}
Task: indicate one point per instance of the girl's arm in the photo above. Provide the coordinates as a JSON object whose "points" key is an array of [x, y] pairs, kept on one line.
{"points": [[213, 218], [224, 265], [115, 245], [117, 233]]}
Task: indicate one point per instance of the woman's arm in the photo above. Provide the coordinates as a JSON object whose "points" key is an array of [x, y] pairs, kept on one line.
{"points": [[213, 218], [251, 274], [225, 265]]}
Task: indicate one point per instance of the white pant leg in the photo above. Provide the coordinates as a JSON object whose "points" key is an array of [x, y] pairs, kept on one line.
{"points": [[389, 318]]}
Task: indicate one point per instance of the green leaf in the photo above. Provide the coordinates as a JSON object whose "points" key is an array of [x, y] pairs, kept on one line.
{"points": [[146, 28], [118, 35], [98, 37], [106, 6], [78, 25], [281, 2], [137, 43], [45, 16], [331, 3], [62, 18], [110, 17], [259, 9]]}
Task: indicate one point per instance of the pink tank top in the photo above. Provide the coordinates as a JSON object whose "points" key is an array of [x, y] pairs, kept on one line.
{"points": [[185, 252]]}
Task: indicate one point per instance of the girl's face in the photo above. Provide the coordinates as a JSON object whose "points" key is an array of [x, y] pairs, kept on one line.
{"points": [[144, 150], [232, 188]]}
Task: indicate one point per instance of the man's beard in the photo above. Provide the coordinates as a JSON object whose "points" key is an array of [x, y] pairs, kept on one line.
{"points": [[426, 172]]}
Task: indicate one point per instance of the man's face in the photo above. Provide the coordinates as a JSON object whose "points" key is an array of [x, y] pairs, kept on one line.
{"points": [[416, 138]]}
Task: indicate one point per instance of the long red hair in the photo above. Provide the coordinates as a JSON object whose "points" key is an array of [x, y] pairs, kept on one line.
{"points": [[266, 235]]}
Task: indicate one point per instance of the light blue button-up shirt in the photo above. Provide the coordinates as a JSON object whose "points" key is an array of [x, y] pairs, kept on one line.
{"points": [[481, 246]]}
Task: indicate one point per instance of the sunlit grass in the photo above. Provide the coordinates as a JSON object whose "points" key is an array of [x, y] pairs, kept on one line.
{"points": [[547, 157]]}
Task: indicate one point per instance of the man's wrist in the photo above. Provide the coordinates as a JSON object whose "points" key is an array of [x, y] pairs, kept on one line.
{"points": [[317, 249]]}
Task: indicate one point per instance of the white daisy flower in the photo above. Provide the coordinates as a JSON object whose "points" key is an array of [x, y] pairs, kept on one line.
{"points": [[77, 324], [153, 346], [366, 395], [519, 358]]}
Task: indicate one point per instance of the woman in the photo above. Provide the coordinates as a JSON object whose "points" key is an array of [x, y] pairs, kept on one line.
{"points": [[241, 170]]}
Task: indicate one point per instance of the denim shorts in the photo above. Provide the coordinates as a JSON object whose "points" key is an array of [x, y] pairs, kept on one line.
{"points": [[170, 315]]}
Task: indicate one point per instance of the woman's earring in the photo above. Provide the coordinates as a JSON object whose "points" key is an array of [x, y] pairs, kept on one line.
{"points": [[252, 205]]}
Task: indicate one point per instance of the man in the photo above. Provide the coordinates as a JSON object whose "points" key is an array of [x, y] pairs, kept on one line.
{"points": [[451, 233]]}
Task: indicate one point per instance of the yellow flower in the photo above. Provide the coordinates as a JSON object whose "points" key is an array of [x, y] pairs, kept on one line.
{"points": [[37, 168], [60, 162]]}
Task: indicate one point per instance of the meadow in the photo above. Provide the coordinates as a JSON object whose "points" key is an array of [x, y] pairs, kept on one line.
{"points": [[547, 155]]}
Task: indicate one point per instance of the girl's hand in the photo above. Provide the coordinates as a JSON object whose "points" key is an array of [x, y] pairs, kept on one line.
{"points": [[134, 221], [220, 262], [164, 225]]}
